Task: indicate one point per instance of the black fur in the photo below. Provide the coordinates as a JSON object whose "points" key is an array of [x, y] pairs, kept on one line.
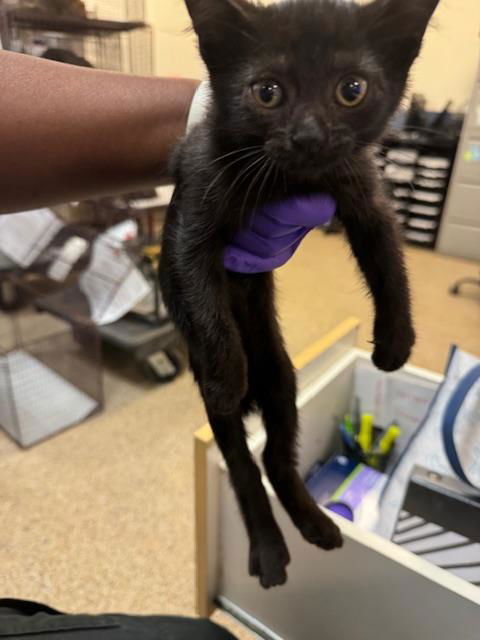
{"points": [[244, 155]]}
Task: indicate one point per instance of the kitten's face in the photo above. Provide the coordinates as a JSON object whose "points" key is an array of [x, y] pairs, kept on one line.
{"points": [[309, 80], [311, 106]]}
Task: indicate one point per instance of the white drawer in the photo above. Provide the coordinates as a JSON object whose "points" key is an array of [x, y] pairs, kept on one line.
{"points": [[369, 589], [464, 205], [467, 169], [460, 240], [474, 113]]}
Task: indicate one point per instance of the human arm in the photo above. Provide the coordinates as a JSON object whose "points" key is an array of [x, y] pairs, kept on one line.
{"points": [[69, 133]]}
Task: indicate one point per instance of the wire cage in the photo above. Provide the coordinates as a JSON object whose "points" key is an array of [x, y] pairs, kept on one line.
{"points": [[122, 10], [106, 34], [50, 374], [67, 281], [70, 270]]}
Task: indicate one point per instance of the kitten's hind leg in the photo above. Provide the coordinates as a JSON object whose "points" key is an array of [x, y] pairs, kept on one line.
{"points": [[272, 380], [269, 555]]}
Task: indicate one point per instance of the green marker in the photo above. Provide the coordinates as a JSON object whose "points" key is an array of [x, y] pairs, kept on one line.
{"points": [[349, 428]]}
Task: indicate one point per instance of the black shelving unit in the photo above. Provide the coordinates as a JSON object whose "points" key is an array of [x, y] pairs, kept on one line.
{"points": [[417, 170]]}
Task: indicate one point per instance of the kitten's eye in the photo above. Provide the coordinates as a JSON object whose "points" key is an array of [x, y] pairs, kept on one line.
{"points": [[268, 94], [351, 91]]}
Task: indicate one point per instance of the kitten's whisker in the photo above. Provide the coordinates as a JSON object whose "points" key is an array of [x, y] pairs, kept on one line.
{"points": [[222, 172], [364, 144], [245, 199], [236, 151], [256, 178], [275, 177], [238, 180], [268, 168]]}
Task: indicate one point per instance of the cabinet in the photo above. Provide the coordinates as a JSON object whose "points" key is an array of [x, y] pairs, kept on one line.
{"points": [[460, 231]]}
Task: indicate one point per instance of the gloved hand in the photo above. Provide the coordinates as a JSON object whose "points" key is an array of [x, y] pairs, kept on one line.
{"points": [[275, 233]]}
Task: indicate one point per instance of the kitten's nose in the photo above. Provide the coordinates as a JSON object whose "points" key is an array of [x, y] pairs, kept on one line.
{"points": [[309, 134]]}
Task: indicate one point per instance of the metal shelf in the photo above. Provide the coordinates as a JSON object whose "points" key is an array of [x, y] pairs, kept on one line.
{"points": [[28, 19]]}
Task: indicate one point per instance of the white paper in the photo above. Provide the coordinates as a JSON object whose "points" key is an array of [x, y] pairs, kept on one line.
{"points": [[401, 193], [434, 162], [432, 173], [123, 232], [398, 399], [399, 174], [427, 196], [423, 209], [419, 236], [429, 183], [112, 283], [36, 401], [421, 223], [403, 156], [23, 236]]}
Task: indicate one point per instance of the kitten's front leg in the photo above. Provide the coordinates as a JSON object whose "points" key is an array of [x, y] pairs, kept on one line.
{"points": [[374, 236], [195, 288]]}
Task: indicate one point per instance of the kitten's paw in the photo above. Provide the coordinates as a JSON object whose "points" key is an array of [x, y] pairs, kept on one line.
{"points": [[268, 562], [320, 530], [393, 348]]}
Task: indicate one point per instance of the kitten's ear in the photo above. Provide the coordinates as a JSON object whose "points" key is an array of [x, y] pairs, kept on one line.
{"points": [[222, 27], [397, 27]]}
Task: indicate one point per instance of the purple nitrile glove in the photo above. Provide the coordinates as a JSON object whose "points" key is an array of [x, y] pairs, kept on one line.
{"points": [[275, 233]]}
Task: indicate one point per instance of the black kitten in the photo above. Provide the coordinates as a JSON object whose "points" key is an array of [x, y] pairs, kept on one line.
{"points": [[300, 89]]}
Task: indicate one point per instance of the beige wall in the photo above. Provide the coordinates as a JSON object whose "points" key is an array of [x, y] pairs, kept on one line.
{"points": [[445, 71], [175, 50], [450, 57]]}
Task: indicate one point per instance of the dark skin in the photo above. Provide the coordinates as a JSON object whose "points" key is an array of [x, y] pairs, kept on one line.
{"points": [[70, 133]]}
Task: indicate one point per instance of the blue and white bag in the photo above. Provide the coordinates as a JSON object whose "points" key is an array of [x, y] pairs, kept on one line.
{"points": [[447, 441]]}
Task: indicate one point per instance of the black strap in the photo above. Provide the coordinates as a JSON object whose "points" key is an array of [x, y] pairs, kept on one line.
{"points": [[26, 607]]}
